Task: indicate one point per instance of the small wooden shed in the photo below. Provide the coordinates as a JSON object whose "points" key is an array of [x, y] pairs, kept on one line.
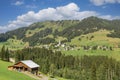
{"points": [[26, 65]]}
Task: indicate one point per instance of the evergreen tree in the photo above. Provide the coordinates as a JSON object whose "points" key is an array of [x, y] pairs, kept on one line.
{"points": [[0, 54], [101, 72], [71, 67], [7, 55], [83, 74], [17, 56], [52, 69], [93, 71], [3, 53]]}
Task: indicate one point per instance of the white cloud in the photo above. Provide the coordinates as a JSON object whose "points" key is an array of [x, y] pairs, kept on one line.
{"points": [[68, 12], [3, 29], [102, 2], [18, 3], [109, 17]]}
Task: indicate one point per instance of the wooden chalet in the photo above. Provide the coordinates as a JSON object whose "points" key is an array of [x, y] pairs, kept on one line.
{"points": [[26, 65]]}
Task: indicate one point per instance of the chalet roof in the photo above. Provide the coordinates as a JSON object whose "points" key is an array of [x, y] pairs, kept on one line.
{"points": [[30, 63]]}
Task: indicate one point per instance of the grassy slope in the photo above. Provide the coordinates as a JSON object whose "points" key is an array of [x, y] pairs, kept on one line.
{"points": [[5, 74], [53, 25], [14, 44], [114, 54], [100, 39], [11, 75]]}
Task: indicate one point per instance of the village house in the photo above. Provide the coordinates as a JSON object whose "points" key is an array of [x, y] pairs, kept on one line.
{"points": [[26, 65]]}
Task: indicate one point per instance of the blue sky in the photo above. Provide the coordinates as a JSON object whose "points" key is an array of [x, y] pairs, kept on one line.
{"points": [[19, 13]]}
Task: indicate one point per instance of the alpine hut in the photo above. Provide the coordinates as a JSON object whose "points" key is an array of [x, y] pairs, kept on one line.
{"points": [[26, 65]]}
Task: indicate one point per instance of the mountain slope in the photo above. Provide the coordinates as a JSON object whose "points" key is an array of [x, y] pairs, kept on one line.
{"points": [[52, 31]]}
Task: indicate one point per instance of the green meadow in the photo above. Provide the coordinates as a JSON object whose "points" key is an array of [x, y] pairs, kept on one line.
{"points": [[114, 54], [14, 44], [5, 74], [100, 39]]}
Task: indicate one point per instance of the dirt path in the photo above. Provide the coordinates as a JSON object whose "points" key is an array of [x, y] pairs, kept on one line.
{"points": [[12, 60], [41, 77]]}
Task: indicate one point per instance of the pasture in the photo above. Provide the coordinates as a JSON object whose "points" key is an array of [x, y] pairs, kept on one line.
{"points": [[114, 54], [5, 74]]}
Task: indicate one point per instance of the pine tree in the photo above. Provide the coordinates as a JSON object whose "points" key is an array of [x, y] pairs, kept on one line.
{"points": [[7, 55], [101, 72], [17, 56], [3, 53], [83, 74], [93, 71], [0, 55], [52, 69]]}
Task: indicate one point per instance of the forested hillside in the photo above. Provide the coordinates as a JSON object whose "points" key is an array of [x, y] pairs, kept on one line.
{"points": [[70, 67], [49, 31]]}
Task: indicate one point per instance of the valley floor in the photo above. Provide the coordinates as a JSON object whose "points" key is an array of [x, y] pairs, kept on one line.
{"points": [[114, 54]]}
